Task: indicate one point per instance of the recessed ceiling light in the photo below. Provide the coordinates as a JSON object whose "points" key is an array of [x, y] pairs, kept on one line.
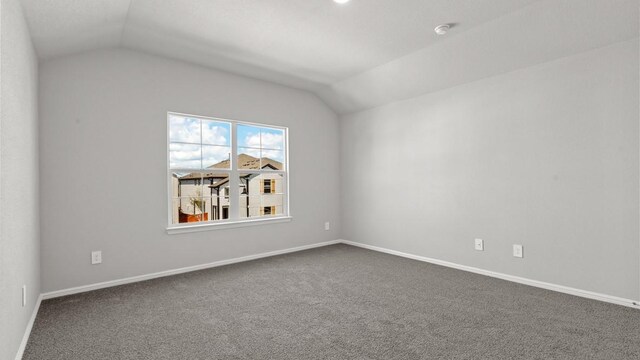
{"points": [[341, 1], [442, 29]]}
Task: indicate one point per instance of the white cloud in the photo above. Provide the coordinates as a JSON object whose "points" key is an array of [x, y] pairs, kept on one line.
{"points": [[265, 140], [272, 145], [212, 155], [183, 129], [214, 133], [184, 156], [187, 156], [274, 155], [272, 141], [252, 140]]}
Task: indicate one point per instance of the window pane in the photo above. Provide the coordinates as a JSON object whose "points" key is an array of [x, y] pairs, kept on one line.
{"points": [[253, 159], [248, 136], [272, 204], [248, 158], [184, 129], [247, 184], [263, 143], [272, 184], [260, 137], [214, 183], [185, 156], [272, 139], [198, 196], [258, 191], [175, 205], [188, 210], [216, 157], [272, 160], [216, 133], [250, 188], [213, 208], [216, 189], [243, 209], [206, 207], [185, 185]]}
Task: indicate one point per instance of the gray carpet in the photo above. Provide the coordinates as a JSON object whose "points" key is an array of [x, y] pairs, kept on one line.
{"points": [[337, 302]]}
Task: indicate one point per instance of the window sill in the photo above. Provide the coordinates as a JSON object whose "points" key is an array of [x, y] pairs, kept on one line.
{"points": [[226, 225]]}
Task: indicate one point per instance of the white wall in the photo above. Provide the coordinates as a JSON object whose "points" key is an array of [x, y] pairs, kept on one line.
{"points": [[103, 143], [19, 222], [546, 157]]}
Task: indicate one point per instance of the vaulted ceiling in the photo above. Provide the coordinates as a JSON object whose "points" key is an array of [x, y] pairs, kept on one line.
{"points": [[354, 56]]}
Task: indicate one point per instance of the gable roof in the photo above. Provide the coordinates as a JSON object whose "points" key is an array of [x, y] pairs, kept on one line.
{"points": [[249, 162]]}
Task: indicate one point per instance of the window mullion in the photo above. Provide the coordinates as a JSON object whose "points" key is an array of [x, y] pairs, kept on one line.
{"points": [[234, 186], [201, 150]]}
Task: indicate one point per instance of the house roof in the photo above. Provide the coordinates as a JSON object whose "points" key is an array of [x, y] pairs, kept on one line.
{"points": [[245, 162], [249, 162]]}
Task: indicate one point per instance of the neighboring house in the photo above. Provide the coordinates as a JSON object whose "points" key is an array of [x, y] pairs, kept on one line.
{"points": [[205, 196]]}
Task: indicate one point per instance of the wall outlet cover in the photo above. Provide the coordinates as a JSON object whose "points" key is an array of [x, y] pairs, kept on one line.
{"points": [[96, 257], [479, 244], [327, 226], [518, 251]]}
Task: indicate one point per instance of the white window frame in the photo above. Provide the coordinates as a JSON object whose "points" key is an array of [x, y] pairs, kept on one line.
{"points": [[234, 220]]}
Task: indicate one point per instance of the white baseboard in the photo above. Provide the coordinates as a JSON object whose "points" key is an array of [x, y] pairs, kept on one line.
{"points": [[80, 289], [133, 279], [540, 284], [27, 331]]}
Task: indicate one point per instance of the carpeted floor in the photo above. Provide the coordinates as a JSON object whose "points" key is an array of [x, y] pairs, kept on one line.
{"points": [[336, 302]]}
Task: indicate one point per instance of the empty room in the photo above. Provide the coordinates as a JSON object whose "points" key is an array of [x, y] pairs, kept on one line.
{"points": [[319, 179]]}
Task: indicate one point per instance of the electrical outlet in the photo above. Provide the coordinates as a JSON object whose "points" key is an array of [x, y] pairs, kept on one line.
{"points": [[96, 257], [517, 251], [24, 295], [327, 226], [479, 243]]}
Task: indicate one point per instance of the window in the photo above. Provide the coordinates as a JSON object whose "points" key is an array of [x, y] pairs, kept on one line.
{"points": [[224, 171], [268, 186]]}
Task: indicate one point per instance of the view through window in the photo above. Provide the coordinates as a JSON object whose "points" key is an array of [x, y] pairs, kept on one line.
{"points": [[225, 171]]}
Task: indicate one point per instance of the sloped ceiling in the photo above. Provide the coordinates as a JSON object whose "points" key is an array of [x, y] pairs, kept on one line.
{"points": [[363, 54]]}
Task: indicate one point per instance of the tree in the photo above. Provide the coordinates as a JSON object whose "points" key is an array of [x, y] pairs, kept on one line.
{"points": [[197, 201]]}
